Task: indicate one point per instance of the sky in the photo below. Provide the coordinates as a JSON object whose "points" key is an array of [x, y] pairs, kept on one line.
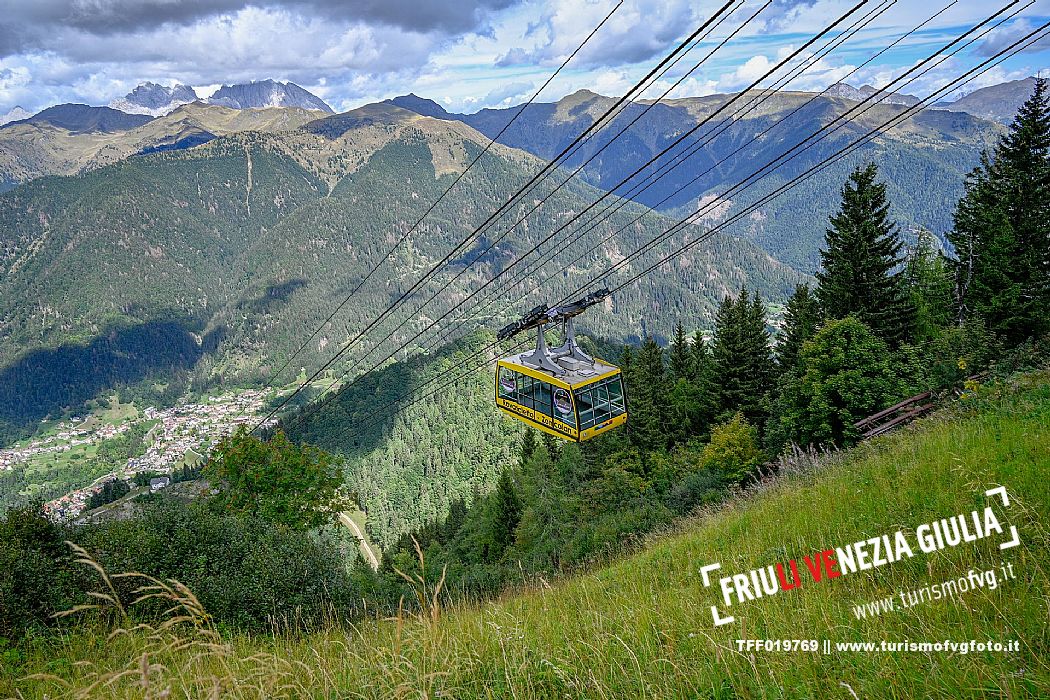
{"points": [[472, 54]]}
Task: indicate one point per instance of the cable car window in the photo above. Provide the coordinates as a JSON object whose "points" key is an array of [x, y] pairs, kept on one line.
{"points": [[599, 402], [524, 396], [616, 395], [508, 385], [542, 397], [563, 407]]}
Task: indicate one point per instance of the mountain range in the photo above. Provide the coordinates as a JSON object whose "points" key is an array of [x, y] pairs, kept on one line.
{"points": [[245, 242], [236, 228], [995, 102], [923, 160], [849, 92]]}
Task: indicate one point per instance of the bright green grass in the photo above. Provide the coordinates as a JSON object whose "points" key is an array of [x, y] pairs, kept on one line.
{"points": [[641, 627]]}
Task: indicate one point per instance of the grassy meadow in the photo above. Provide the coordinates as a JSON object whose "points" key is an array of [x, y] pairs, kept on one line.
{"points": [[640, 626]]}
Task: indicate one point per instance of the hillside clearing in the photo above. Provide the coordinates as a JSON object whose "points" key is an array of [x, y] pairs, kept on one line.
{"points": [[642, 627]]}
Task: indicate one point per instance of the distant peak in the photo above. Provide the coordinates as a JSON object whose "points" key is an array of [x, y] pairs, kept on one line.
{"points": [[17, 113], [581, 95], [420, 105], [81, 118], [155, 99], [263, 94]]}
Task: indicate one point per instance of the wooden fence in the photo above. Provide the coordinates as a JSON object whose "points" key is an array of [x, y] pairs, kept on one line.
{"points": [[898, 414]]}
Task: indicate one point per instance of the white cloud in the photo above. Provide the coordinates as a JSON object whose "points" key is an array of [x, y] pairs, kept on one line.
{"points": [[482, 53]]}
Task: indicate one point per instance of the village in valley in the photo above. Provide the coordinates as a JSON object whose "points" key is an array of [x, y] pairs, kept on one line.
{"points": [[173, 438]]}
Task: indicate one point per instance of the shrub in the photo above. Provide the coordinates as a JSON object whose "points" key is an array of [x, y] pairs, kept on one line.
{"points": [[294, 485], [733, 452], [844, 375], [37, 574]]}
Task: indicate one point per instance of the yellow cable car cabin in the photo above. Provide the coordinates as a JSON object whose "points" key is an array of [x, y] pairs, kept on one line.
{"points": [[560, 391]]}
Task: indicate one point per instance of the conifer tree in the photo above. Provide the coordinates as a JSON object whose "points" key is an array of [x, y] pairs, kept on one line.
{"points": [[859, 268], [704, 379], [504, 517], [690, 401], [1002, 229], [457, 515], [528, 446], [742, 358], [680, 358], [703, 364], [648, 394], [929, 286], [801, 319]]}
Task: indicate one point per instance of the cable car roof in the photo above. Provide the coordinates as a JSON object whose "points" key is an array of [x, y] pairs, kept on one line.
{"points": [[576, 374]]}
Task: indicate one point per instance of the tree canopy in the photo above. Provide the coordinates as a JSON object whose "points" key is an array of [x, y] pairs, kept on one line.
{"points": [[295, 485], [1002, 229]]}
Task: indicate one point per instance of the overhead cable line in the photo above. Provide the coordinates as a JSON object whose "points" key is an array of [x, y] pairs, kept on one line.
{"points": [[448, 189], [841, 120], [597, 124], [539, 203], [775, 68], [653, 178], [744, 183], [1014, 48]]}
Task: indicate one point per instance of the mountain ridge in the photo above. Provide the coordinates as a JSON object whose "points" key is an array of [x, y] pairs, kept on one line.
{"points": [[81, 119], [245, 240], [924, 159], [154, 99], [267, 93], [995, 102]]}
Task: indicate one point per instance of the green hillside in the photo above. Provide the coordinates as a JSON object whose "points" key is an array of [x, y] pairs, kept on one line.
{"points": [[246, 244], [406, 464], [40, 147], [642, 627]]}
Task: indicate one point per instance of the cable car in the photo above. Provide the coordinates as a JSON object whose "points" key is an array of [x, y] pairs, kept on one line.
{"points": [[560, 391]]}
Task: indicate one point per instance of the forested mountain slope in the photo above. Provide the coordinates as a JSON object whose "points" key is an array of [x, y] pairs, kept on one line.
{"points": [[924, 159], [406, 460], [249, 241]]}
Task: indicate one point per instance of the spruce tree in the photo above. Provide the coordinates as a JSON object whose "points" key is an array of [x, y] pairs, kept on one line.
{"points": [[504, 517], [704, 379], [703, 365], [680, 357], [929, 286], [742, 358], [690, 403], [801, 319], [859, 268], [1002, 229], [648, 396], [528, 446]]}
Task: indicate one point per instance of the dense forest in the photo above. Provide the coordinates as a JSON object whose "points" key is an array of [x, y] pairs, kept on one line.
{"points": [[879, 325]]}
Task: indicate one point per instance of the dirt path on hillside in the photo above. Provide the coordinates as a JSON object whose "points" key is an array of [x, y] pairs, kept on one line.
{"points": [[365, 549]]}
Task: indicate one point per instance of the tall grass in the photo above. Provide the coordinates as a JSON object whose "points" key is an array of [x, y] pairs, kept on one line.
{"points": [[641, 627]]}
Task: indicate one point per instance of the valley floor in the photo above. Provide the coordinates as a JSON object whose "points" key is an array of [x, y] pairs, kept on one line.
{"points": [[642, 627]]}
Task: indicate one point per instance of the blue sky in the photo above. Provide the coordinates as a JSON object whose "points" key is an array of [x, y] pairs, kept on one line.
{"points": [[466, 55]]}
